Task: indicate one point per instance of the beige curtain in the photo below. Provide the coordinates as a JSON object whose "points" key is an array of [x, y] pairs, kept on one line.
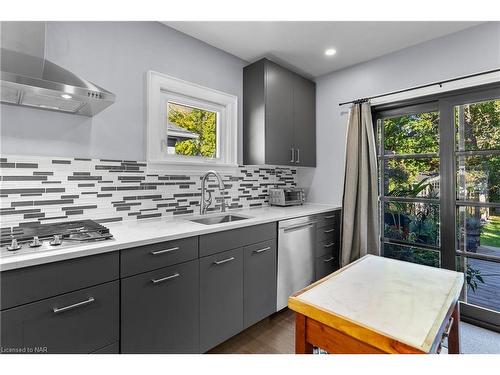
{"points": [[360, 217]]}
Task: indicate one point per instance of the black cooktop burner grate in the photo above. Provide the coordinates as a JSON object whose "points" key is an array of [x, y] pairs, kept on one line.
{"points": [[80, 230]]}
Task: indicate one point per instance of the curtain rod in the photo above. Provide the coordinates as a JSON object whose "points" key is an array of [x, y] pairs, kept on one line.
{"points": [[440, 83]]}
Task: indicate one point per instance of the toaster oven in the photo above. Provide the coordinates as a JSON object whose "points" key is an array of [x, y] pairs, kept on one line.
{"points": [[286, 196]]}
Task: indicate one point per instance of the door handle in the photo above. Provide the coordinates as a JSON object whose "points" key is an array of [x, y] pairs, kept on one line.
{"points": [[58, 310], [296, 227], [156, 281], [262, 250], [223, 261], [298, 156], [292, 160], [158, 252]]}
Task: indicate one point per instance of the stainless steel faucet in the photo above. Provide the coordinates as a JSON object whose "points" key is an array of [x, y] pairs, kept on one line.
{"points": [[205, 203]]}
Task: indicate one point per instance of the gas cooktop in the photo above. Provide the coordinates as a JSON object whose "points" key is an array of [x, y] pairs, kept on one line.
{"points": [[35, 237]]}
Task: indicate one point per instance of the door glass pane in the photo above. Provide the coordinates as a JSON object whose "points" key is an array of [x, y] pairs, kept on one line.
{"points": [[412, 134], [412, 254], [478, 178], [412, 222], [482, 278], [478, 230], [412, 177], [477, 125]]}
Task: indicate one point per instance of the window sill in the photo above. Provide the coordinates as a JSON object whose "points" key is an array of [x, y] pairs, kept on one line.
{"points": [[189, 166]]}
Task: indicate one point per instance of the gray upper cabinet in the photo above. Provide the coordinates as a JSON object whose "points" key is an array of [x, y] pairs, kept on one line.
{"points": [[279, 116], [304, 121]]}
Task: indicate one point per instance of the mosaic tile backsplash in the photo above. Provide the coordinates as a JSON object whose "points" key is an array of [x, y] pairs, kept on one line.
{"points": [[50, 189]]}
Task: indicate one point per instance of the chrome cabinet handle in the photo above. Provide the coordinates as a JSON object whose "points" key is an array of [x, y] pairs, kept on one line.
{"points": [[223, 261], [329, 245], [328, 231], [158, 252], [293, 155], [262, 250], [298, 156], [329, 217], [58, 310], [156, 281], [328, 260]]}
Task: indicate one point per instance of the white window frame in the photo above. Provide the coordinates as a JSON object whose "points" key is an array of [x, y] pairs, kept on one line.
{"points": [[162, 89]]}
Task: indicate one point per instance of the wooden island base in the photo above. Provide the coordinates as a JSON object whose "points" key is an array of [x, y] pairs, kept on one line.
{"points": [[401, 308], [310, 333]]}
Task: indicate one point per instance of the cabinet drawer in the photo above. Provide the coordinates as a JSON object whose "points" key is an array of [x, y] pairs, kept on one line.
{"points": [[221, 297], [324, 266], [259, 296], [150, 257], [160, 310], [325, 234], [77, 322], [31, 284], [327, 247], [329, 219], [231, 239]]}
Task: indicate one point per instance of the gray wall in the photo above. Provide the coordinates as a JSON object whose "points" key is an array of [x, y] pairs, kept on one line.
{"points": [[469, 51], [116, 56]]}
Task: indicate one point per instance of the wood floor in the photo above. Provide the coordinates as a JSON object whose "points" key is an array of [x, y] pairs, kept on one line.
{"points": [[274, 335]]}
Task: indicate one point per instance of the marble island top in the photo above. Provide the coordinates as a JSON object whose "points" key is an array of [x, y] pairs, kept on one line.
{"points": [[400, 300], [131, 233]]}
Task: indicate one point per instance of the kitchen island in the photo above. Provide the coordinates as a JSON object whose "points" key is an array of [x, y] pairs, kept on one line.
{"points": [[379, 305]]}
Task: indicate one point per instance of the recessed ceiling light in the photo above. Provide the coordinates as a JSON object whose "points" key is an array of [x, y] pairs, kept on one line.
{"points": [[66, 96], [330, 52]]}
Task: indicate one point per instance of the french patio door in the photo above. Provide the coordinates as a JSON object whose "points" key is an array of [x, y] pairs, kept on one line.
{"points": [[439, 183]]}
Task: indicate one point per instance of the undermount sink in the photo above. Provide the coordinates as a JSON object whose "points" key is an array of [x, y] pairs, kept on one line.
{"points": [[219, 219]]}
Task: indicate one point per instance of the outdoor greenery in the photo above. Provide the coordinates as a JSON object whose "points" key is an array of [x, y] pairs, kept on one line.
{"points": [[491, 232], [418, 222], [198, 121]]}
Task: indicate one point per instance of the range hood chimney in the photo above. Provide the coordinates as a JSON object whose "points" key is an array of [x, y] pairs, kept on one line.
{"points": [[28, 79]]}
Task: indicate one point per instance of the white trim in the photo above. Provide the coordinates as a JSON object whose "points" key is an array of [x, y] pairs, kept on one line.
{"points": [[450, 86], [161, 87]]}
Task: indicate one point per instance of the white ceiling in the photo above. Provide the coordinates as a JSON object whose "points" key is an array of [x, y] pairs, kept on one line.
{"points": [[301, 45]]}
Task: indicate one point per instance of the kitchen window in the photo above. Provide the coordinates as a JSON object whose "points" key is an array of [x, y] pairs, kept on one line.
{"points": [[190, 124]]}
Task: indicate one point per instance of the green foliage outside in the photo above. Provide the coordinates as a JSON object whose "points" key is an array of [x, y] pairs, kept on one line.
{"points": [[410, 134], [203, 123], [491, 232], [417, 223]]}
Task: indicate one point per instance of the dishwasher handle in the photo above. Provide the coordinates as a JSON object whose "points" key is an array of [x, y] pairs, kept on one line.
{"points": [[298, 226]]}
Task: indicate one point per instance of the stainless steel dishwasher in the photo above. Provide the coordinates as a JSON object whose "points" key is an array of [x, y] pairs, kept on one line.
{"points": [[296, 240]]}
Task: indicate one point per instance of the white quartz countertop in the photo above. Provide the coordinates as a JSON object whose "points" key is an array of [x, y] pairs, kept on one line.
{"points": [[398, 299], [147, 231]]}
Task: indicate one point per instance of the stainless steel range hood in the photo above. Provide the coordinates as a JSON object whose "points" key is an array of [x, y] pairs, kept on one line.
{"points": [[28, 79]]}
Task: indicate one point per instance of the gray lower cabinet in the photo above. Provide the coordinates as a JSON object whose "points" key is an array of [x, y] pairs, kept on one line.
{"points": [[259, 296], [324, 266], [78, 322], [221, 297], [160, 310], [328, 244]]}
